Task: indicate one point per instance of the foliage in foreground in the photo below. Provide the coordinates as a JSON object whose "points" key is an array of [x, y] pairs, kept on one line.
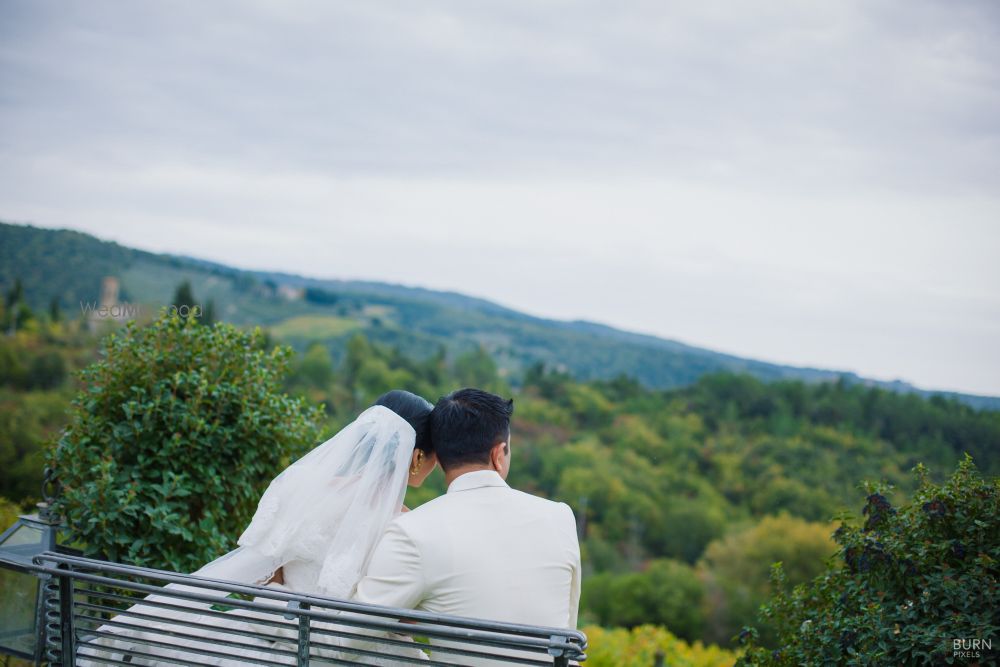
{"points": [[643, 645], [913, 580], [9, 513], [712, 600], [173, 440], [679, 476], [666, 592]]}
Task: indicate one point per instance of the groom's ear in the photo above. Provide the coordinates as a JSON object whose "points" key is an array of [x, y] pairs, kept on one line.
{"points": [[498, 454]]}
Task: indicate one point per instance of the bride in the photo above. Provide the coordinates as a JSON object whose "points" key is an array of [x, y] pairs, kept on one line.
{"points": [[313, 532]]}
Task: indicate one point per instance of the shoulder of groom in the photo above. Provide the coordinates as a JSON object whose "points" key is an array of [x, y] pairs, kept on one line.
{"points": [[417, 515], [567, 512], [554, 508]]}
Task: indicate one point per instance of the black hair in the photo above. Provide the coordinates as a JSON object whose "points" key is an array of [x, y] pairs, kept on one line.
{"points": [[467, 424], [414, 409]]}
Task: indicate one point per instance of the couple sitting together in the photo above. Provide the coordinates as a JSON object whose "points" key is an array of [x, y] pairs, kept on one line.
{"points": [[333, 523]]}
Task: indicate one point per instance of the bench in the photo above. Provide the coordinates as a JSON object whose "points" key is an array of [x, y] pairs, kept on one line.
{"points": [[88, 603]]}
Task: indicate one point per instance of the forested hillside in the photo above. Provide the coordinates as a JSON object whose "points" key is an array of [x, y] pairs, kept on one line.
{"points": [[684, 497], [65, 268]]}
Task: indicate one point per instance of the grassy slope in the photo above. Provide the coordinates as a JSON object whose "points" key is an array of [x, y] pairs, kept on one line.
{"points": [[70, 265]]}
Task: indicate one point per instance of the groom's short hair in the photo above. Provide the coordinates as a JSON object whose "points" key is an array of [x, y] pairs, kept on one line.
{"points": [[467, 424]]}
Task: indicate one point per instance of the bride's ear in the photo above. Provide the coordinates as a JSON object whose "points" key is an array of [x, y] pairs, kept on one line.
{"points": [[421, 464], [421, 460]]}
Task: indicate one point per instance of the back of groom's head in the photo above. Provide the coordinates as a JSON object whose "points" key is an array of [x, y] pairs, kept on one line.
{"points": [[467, 424]]}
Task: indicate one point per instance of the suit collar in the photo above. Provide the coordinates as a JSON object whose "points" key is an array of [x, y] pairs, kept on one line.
{"points": [[476, 479]]}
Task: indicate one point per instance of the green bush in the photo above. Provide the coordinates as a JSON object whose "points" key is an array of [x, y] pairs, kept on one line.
{"points": [[173, 440], [666, 593], [913, 580], [736, 569], [644, 645], [9, 513], [686, 527], [28, 421]]}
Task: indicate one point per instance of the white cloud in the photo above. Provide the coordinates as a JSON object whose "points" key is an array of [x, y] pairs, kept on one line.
{"points": [[809, 183]]}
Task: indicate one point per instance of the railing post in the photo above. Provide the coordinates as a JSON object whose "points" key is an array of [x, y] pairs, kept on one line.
{"points": [[53, 638], [66, 620], [303, 647], [558, 652], [60, 640], [40, 641]]}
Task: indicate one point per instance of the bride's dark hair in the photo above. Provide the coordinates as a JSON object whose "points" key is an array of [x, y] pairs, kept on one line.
{"points": [[415, 410]]}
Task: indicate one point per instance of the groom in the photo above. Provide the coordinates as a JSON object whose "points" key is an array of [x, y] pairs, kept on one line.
{"points": [[483, 549]]}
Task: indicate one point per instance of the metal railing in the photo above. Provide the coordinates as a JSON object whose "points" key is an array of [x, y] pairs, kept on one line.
{"points": [[101, 613]]}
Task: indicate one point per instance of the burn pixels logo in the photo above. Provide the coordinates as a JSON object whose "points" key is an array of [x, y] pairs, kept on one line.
{"points": [[970, 648]]}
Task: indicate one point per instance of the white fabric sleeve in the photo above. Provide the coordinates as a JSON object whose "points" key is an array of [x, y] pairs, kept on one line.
{"points": [[395, 574], [577, 571], [394, 579]]}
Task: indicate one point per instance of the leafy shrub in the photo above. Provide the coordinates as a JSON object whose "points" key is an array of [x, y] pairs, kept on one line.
{"points": [[9, 513], [28, 421], [666, 593], [686, 526], [914, 579], [736, 569], [173, 440], [27, 363], [643, 645]]}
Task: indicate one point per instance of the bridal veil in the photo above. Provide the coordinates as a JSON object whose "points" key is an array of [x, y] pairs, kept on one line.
{"points": [[329, 508]]}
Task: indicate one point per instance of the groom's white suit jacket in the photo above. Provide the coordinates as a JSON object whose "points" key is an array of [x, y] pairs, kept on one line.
{"points": [[482, 550]]}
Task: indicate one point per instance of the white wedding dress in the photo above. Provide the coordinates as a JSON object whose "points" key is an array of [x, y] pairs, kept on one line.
{"points": [[319, 521]]}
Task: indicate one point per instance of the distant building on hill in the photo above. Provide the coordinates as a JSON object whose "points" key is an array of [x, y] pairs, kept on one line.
{"points": [[289, 293], [109, 307]]}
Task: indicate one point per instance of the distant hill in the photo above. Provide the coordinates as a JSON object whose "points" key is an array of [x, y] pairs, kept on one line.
{"points": [[70, 265]]}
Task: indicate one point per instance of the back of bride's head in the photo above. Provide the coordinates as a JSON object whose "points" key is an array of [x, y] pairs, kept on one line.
{"points": [[415, 410]]}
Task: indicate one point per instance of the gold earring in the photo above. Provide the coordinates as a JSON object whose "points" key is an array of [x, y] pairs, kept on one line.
{"points": [[416, 467]]}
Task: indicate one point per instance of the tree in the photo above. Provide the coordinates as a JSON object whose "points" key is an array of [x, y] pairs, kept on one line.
{"points": [[16, 312], [357, 354], [184, 303], [476, 368], [16, 294], [906, 584], [666, 593], [685, 527], [173, 440], [208, 318], [28, 363], [315, 368], [648, 645], [737, 568], [47, 370], [184, 295], [28, 420], [320, 296]]}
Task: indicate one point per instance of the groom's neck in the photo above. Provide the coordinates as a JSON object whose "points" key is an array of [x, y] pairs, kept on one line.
{"points": [[452, 474]]}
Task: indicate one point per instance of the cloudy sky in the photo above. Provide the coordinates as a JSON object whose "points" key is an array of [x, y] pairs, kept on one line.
{"points": [[815, 183]]}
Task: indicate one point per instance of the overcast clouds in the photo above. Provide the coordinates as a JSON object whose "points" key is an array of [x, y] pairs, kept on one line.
{"points": [[815, 183]]}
